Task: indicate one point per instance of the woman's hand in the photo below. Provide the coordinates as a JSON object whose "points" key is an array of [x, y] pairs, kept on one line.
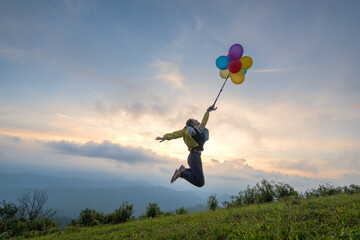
{"points": [[211, 108], [160, 138]]}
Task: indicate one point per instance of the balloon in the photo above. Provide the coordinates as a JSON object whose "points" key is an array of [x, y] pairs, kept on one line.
{"points": [[224, 73], [234, 66], [236, 51], [246, 62], [238, 77], [222, 62], [245, 71]]}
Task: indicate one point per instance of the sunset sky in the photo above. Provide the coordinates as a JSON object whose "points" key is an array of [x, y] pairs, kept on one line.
{"points": [[86, 86]]}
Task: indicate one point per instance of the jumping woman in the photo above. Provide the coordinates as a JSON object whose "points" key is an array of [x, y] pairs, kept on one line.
{"points": [[194, 135]]}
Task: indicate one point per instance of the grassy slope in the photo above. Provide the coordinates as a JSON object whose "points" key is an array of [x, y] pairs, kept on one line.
{"points": [[330, 217]]}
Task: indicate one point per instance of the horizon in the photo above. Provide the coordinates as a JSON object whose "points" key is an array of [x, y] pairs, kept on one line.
{"points": [[86, 86]]}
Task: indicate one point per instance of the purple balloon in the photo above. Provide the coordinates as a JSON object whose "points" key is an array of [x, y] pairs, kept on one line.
{"points": [[236, 51]]}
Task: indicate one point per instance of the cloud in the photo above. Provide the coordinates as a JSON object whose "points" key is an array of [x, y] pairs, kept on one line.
{"points": [[80, 6], [169, 72], [5, 139], [303, 165], [348, 160], [14, 54], [272, 70], [105, 150], [199, 24]]}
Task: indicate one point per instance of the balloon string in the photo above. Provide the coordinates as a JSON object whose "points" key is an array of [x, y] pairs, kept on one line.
{"points": [[221, 90]]}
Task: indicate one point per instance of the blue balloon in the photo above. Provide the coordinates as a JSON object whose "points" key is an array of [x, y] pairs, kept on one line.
{"points": [[245, 71], [222, 62]]}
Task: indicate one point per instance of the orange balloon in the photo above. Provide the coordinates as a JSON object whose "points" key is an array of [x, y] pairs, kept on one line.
{"points": [[246, 62], [238, 77]]}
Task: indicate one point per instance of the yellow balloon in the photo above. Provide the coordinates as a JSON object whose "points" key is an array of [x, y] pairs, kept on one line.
{"points": [[246, 62], [238, 77], [224, 74]]}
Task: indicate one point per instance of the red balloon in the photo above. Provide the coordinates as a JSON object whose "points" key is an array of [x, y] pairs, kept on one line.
{"points": [[234, 66]]}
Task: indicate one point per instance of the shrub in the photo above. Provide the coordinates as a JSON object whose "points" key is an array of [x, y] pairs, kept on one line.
{"points": [[122, 214], [284, 191], [266, 192], [247, 197], [42, 224], [28, 219], [167, 214], [153, 210], [181, 211], [90, 217], [323, 190], [212, 202], [352, 189], [8, 213]]}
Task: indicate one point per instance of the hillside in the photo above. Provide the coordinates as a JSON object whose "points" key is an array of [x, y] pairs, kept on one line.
{"points": [[324, 217]]}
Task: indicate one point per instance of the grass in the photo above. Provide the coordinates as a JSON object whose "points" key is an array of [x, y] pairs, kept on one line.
{"points": [[333, 217]]}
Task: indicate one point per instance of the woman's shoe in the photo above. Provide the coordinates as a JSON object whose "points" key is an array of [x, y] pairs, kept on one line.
{"points": [[175, 176]]}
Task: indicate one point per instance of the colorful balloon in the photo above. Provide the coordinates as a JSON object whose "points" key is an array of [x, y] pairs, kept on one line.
{"points": [[234, 66], [245, 71], [236, 51], [246, 62], [238, 77], [224, 73], [222, 62]]}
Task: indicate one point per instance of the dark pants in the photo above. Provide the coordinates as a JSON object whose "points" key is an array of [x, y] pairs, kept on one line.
{"points": [[194, 174]]}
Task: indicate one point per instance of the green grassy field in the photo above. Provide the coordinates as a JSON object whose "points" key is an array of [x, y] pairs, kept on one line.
{"points": [[334, 217]]}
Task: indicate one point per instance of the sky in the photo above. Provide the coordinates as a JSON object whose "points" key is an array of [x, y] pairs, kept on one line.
{"points": [[86, 86]]}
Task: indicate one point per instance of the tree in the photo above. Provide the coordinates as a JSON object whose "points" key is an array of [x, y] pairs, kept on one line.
{"points": [[266, 192], [7, 215], [32, 205], [181, 210], [90, 217], [284, 191], [123, 213], [212, 202], [153, 210]]}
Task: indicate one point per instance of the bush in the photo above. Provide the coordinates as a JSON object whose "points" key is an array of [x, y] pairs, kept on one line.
{"points": [[352, 189], [153, 210], [122, 214], [266, 192], [323, 190], [27, 219], [181, 211], [42, 224], [167, 214], [90, 217], [8, 213], [285, 191], [212, 202], [262, 192], [247, 197]]}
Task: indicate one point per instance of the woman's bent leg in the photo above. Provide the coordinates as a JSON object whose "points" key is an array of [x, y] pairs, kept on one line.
{"points": [[194, 174]]}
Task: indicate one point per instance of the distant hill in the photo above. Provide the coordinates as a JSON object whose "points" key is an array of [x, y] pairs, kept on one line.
{"points": [[30, 180], [70, 196]]}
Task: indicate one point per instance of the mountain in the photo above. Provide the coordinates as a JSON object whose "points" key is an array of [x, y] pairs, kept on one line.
{"points": [[30, 180], [70, 196]]}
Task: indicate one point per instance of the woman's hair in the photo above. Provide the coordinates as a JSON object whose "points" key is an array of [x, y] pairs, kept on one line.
{"points": [[189, 122]]}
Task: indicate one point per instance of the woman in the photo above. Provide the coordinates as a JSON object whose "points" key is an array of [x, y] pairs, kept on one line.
{"points": [[194, 135]]}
